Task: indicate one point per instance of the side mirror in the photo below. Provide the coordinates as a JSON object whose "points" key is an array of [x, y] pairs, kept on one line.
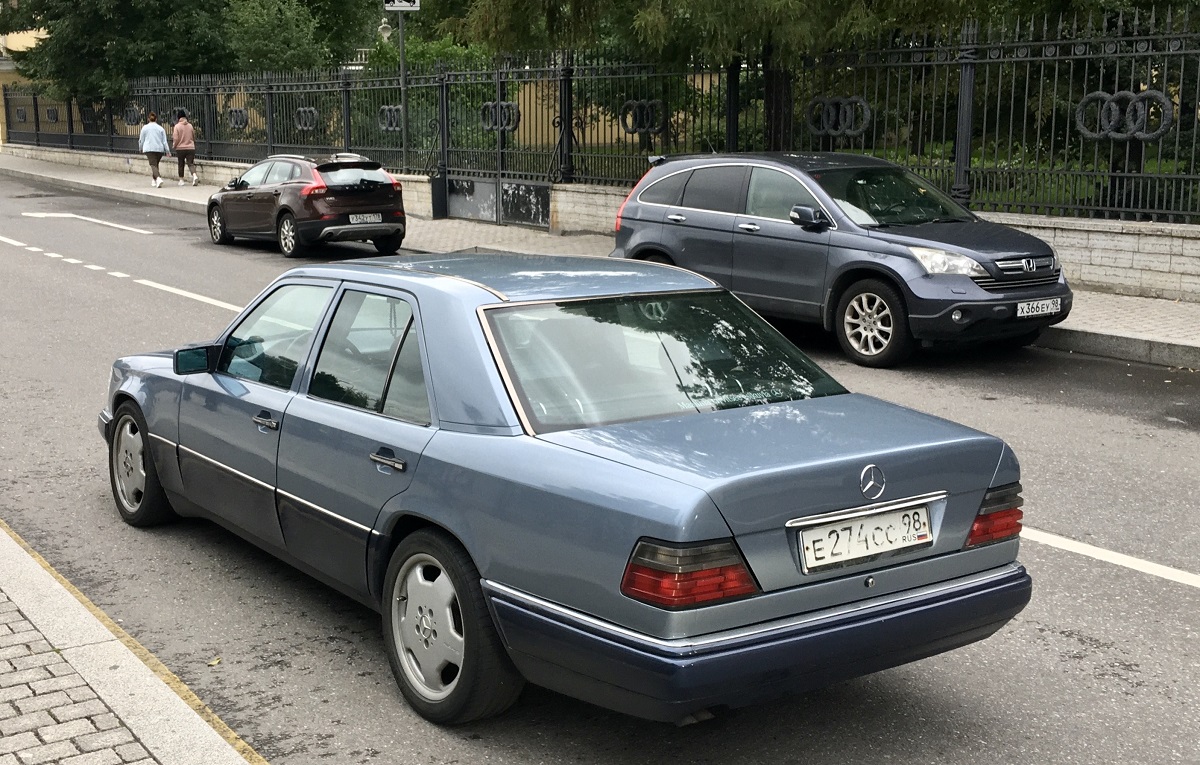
{"points": [[196, 359], [233, 184], [808, 217]]}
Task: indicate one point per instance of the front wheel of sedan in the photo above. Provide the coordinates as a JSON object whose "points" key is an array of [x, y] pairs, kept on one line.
{"points": [[140, 498], [441, 644], [872, 325], [217, 228], [288, 235], [388, 245]]}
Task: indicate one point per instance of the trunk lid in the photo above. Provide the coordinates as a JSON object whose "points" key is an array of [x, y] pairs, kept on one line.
{"points": [[359, 187]]}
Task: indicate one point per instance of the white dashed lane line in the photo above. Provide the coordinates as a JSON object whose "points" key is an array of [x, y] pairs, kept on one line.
{"points": [[189, 295], [13, 242]]}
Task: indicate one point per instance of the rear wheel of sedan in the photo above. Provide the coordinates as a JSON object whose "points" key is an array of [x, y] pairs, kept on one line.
{"points": [[140, 498], [387, 245], [441, 643], [289, 236], [216, 226], [872, 325]]}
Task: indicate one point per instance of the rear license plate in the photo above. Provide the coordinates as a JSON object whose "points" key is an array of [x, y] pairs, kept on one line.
{"points": [[1039, 308], [844, 542], [366, 218]]}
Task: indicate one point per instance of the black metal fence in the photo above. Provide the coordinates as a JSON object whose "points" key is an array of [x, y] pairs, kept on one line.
{"points": [[1079, 117]]}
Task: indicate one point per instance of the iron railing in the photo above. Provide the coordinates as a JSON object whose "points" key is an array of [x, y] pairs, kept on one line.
{"points": [[1073, 116]]}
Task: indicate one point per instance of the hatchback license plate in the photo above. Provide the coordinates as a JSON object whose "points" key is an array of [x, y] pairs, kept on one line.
{"points": [[366, 218], [843, 542], [1039, 308]]}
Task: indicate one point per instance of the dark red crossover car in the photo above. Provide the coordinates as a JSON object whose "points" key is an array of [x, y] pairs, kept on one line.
{"points": [[300, 201]]}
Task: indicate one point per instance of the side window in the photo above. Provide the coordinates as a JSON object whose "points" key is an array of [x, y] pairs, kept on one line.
{"points": [[280, 172], [407, 399], [360, 350], [257, 174], [665, 191], [773, 194], [714, 188], [270, 343]]}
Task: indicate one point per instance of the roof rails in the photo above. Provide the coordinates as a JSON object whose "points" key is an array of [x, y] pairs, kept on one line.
{"points": [[657, 159], [286, 156]]}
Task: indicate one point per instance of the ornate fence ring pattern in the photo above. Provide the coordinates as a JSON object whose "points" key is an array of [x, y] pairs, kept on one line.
{"points": [[502, 116], [239, 119], [839, 117], [132, 115], [647, 116], [51, 114], [306, 118], [391, 118], [21, 114], [1125, 115]]}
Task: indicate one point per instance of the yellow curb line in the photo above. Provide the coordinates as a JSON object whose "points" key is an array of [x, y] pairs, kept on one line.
{"points": [[150, 660]]}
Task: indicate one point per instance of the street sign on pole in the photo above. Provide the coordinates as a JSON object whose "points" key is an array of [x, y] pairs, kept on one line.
{"points": [[402, 5]]}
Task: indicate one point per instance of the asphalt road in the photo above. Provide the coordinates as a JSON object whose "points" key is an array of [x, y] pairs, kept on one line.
{"points": [[1102, 667]]}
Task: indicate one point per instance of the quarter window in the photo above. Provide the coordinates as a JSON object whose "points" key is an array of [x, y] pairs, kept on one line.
{"points": [[256, 175], [714, 188], [269, 345], [666, 191], [773, 194], [282, 172]]}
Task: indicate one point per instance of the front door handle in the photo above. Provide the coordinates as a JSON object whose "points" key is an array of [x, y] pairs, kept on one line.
{"points": [[388, 460], [275, 193], [677, 218], [748, 227], [264, 420]]}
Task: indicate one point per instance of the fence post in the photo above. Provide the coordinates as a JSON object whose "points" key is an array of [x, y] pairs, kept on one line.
{"points": [[346, 110], [439, 185], [7, 112], [961, 190], [270, 99], [37, 121], [733, 80], [566, 162], [108, 122], [70, 124], [210, 121]]}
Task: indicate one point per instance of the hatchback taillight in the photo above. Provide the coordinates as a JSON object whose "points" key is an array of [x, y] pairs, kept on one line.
{"points": [[315, 188], [999, 516], [679, 576], [396, 185]]}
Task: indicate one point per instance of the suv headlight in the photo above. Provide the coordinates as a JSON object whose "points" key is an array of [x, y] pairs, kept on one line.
{"points": [[942, 262]]}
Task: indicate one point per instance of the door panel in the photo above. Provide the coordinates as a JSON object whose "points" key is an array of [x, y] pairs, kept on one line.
{"points": [[699, 230]]}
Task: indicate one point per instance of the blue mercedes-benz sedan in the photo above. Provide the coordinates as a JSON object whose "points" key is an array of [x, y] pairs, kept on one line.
{"points": [[606, 477]]}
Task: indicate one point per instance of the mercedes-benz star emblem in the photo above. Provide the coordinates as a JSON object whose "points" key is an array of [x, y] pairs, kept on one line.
{"points": [[872, 482]]}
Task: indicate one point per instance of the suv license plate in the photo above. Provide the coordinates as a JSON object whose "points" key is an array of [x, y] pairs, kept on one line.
{"points": [[843, 542], [366, 218], [1039, 308]]}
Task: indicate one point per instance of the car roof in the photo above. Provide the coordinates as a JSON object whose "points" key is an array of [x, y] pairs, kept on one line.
{"points": [[805, 161], [514, 277]]}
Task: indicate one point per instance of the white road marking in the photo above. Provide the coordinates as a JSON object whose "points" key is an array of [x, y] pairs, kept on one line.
{"points": [[34, 249], [53, 255], [1108, 556], [94, 268], [190, 295], [89, 220], [71, 260], [118, 274], [13, 242]]}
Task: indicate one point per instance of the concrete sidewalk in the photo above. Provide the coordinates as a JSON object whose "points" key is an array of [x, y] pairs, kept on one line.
{"points": [[1146, 330]]}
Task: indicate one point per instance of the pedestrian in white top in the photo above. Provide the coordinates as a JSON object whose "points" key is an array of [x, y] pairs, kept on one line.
{"points": [[152, 142]]}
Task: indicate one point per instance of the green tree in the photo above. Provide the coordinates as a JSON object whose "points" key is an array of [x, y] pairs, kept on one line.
{"points": [[271, 35]]}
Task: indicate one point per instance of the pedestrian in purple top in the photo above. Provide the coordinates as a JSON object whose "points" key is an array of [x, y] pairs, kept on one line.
{"points": [[183, 137]]}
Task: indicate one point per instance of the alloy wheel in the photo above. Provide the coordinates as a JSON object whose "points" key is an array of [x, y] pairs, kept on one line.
{"points": [[129, 467], [869, 324], [428, 628]]}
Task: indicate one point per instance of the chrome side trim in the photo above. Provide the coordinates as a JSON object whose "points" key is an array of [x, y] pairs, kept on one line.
{"points": [[226, 468], [758, 630], [323, 511], [858, 512], [166, 441]]}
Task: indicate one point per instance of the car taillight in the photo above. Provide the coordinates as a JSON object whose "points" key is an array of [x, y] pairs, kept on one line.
{"points": [[316, 187], [395, 183], [999, 516], [621, 209], [678, 576]]}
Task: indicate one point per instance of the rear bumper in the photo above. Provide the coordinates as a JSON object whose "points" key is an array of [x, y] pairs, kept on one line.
{"points": [[668, 680], [350, 233], [103, 421]]}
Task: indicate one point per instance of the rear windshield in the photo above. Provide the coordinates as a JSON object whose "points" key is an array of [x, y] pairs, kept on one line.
{"points": [[596, 362], [352, 175]]}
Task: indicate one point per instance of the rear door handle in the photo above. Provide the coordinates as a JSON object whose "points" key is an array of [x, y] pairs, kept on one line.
{"points": [[677, 218], [275, 193], [385, 457], [748, 227], [263, 419]]}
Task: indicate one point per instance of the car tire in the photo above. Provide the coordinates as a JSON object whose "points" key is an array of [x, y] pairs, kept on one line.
{"points": [[287, 234], [139, 495], [439, 636], [663, 259], [216, 226], [872, 325], [388, 245]]}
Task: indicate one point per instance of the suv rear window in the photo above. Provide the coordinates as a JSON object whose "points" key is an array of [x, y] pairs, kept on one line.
{"points": [[714, 188], [353, 175], [665, 191]]}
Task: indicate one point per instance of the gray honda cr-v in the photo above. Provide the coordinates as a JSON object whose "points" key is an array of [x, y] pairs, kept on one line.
{"points": [[870, 250]]}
